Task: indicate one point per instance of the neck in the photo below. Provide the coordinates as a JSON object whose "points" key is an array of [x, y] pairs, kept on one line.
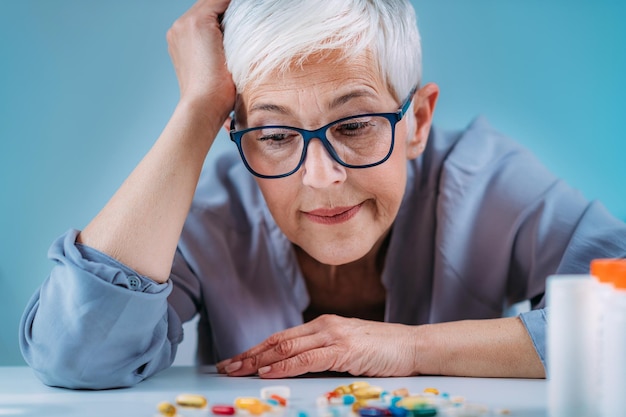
{"points": [[370, 265]]}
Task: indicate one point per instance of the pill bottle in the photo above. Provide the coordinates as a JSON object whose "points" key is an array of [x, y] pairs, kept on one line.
{"points": [[570, 345], [601, 271], [613, 399]]}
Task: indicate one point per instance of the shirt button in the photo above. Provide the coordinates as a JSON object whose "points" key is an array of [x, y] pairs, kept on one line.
{"points": [[134, 282]]}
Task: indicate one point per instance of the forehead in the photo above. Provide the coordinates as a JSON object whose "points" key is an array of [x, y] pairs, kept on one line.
{"points": [[320, 80]]}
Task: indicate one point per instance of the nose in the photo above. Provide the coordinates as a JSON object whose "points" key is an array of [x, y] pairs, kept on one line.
{"points": [[320, 169]]}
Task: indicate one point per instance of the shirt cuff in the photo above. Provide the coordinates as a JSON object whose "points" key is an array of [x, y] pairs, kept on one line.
{"points": [[103, 266], [536, 323]]}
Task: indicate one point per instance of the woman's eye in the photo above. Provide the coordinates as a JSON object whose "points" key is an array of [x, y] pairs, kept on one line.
{"points": [[274, 137], [352, 128]]}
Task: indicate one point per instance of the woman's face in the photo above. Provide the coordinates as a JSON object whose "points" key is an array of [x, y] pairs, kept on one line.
{"points": [[335, 214]]}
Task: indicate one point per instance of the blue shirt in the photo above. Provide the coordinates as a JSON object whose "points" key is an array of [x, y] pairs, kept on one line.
{"points": [[481, 226]]}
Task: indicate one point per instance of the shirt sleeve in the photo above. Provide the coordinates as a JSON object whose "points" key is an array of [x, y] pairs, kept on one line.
{"points": [[507, 223], [596, 235], [95, 323]]}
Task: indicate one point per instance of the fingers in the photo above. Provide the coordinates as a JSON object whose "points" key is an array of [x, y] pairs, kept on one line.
{"points": [[269, 343], [283, 345], [279, 349], [315, 360]]}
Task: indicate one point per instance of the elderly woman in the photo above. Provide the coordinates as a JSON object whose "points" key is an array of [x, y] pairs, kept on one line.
{"points": [[346, 235]]}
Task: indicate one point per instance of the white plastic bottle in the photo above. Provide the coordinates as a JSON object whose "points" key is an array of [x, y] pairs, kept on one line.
{"points": [[613, 398], [570, 346], [601, 270]]}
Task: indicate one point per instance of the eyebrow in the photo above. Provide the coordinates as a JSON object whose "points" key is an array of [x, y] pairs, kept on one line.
{"points": [[336, 102]]}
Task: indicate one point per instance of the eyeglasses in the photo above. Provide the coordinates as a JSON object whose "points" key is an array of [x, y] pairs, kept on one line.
{"points": [[360, 141]]}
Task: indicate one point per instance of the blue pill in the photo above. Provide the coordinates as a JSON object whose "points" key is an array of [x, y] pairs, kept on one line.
{"points": [[372, 412], [398, 411]]}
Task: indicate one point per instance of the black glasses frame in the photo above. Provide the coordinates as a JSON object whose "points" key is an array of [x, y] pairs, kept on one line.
{"points": [[308, 135]]}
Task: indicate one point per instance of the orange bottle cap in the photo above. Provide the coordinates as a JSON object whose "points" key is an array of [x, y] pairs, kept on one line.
{"points": [[602, 269]]}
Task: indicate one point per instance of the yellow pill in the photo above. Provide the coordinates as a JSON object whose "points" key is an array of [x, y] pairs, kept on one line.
{"points": [[259, 408], [400, 392], [358, 404], [166, 409], [342, 389], [244, 403], [431, 391], [358, 385], [191, 400], [367, 393], [413, 401]]}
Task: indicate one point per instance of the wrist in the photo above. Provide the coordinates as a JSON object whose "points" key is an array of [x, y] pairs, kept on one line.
{"points": [[427, 353]]}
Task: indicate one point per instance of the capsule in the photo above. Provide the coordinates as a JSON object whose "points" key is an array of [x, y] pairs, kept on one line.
{"points": [[413, 402], [398, 411], [342, 389], [166, 409], [280, 390], [223, 410], [434, 391], [372, 412], [282, 401], [258, 408], [348, 399], [245, 403], [191, 400], [424, 412], [367, 392], [400, 392], [358, 385]]}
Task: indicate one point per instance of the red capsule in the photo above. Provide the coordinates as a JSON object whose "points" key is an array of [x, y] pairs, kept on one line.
{"points": [[223, 410]]}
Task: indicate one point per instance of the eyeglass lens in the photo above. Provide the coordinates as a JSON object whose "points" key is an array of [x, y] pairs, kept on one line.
{"points": [[357, 141]]}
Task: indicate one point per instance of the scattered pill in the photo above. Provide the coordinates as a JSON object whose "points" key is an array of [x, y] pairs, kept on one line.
{"points": [[191, 400], [245, 403], [424, 412], [368, 392], [413, 402], [358, 385], [342, 389], [349, 399], [398, 411], [372, 412], [321, 401], [282, 401], [258, 408], [223, 410], [401, 392], [280, 390], [166, 409], [434, 391]]}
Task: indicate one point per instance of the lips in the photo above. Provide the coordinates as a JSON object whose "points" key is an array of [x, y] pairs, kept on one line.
{"points": [[333, 215]]}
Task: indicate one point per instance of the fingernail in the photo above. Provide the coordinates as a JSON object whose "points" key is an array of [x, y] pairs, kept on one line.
{"points": [[232, 367], [222, 364], [264, 370]]}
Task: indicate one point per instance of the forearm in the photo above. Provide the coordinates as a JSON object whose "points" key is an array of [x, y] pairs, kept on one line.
{"points": [[478, 348], [141, 224]]}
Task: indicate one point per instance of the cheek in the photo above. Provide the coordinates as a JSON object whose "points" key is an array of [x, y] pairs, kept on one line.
{"points": [[281, 198]]}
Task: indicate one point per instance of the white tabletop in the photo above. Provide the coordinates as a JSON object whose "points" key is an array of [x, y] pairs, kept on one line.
{"points": [[22, 394]]}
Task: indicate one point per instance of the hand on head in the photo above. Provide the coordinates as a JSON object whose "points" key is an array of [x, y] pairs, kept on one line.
{"points": [[195, 44]]}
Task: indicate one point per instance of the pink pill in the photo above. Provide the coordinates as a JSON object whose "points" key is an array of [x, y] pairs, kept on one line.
{"points": [[223, 410]]}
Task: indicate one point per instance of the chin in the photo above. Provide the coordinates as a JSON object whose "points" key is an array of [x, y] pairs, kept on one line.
{"points": [[340, 256]]}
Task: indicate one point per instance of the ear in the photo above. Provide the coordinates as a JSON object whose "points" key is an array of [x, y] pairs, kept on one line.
{"points": [[227, 123], [423, 109]]}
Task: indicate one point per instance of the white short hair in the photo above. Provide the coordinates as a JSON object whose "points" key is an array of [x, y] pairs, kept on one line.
{"points": [[265, 36]]}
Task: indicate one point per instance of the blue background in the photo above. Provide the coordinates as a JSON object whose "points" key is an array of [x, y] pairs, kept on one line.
{"points": [[87, 86]]}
